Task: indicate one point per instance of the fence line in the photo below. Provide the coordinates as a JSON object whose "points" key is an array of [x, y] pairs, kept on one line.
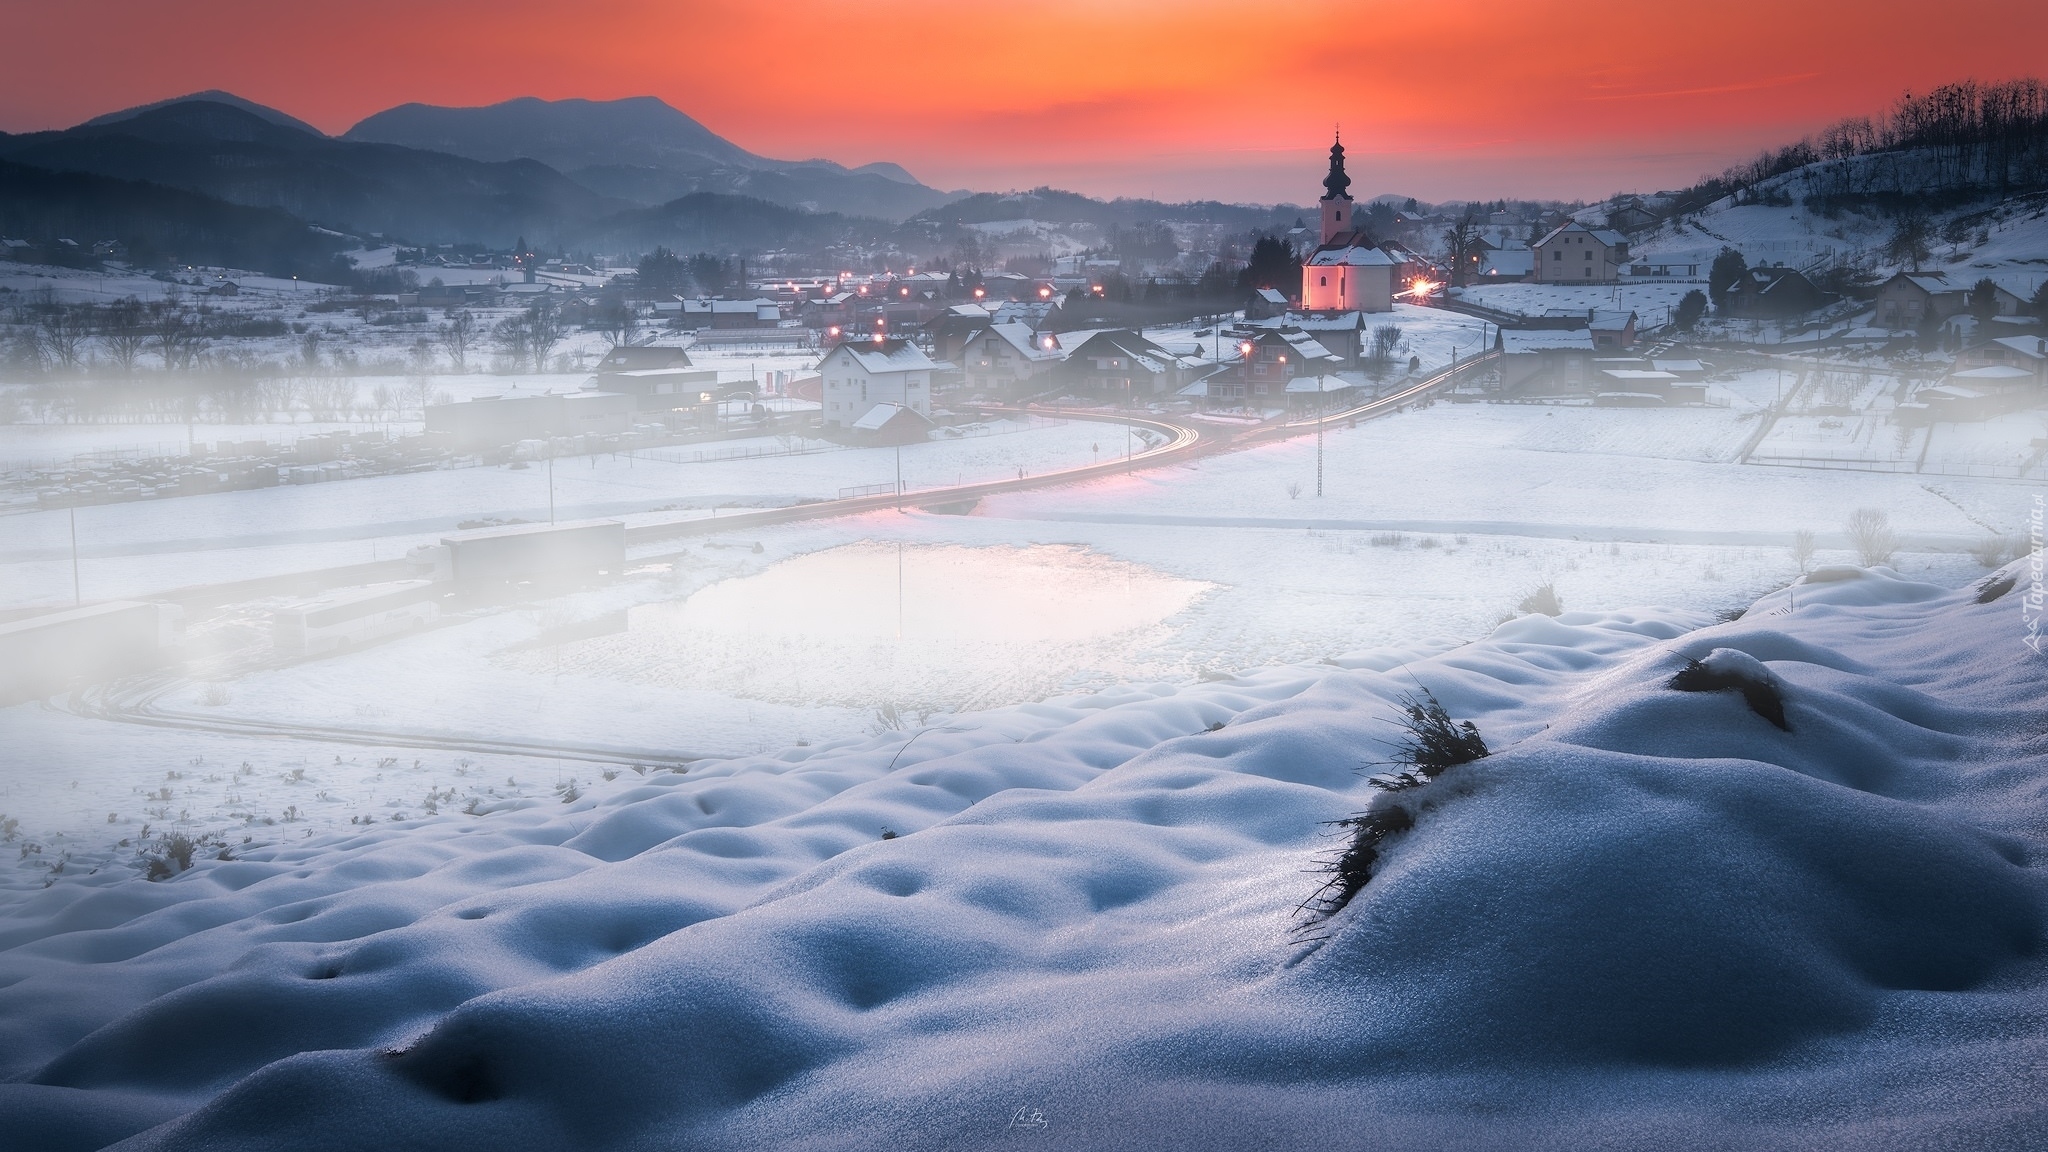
{"points": [[1906, 467]]}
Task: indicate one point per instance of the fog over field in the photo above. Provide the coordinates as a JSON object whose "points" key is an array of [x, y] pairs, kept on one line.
{"points": [[536, 626]]}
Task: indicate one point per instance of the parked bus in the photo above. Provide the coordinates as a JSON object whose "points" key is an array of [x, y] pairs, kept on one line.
{"points": [[353, 616]]}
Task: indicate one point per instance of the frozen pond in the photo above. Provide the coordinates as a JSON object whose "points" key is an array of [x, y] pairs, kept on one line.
{"points": [[916, 627]]}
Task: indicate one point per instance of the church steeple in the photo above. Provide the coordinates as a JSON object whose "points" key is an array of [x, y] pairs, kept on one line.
{"points": [[1336, 195], [1337, 185]]}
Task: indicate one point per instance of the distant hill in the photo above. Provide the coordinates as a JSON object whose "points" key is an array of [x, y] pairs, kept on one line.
{"points": [[257, 157], [716, 222], [644, 150], [210, 96], [1055, 206], [161, 224]]}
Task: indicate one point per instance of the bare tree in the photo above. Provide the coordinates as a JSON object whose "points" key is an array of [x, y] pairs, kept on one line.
{"points": [[515, 340], [531, 336], [457, 334], [546, 327], [1459, 241], [175, 335], [1908, 241], [1802, 549], [63, 330], [617, 321], [124, 333], [1872, 536]]}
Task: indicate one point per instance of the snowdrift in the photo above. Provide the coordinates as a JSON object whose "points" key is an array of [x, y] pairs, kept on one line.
{"points": [[1653, 917]]}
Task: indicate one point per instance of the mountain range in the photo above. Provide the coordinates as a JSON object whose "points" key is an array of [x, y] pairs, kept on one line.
{"points": [[480, 175], [644, 151], [616, 177]]}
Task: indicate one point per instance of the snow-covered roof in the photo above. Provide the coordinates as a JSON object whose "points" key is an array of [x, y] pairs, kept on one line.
{"points": [[759, 309], [1611, 321], [1638, 374], [1307, 346], [877, 416], [888, 356], [1311, 385], [1994, 373], [1272, 296], [1678, 366], [1350, 256], [1546, 339], [2031, 346], [1507, 262], [1607, 236], [1932, 282]]}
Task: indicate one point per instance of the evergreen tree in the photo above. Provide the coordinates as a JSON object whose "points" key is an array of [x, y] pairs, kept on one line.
{"points": [[1690, 309], [1729, 266]]}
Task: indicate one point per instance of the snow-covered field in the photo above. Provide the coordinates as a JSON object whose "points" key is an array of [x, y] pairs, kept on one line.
{"points": [[1651, 301], [996, 826], [1649, 917], [1593, 473], [140, 548]]}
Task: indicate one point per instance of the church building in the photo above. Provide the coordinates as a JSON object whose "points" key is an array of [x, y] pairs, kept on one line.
{"points": [[1347, 272]]}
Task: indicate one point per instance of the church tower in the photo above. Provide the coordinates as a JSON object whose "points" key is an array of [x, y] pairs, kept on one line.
{"points": [[1336, 196]]}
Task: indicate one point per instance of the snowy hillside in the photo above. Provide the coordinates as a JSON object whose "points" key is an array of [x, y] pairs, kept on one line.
{"points": [[1843, 212], [1651, 917]]}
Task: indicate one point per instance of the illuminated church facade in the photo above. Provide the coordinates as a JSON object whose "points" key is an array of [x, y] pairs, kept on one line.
{"points": [[1347, 272]]}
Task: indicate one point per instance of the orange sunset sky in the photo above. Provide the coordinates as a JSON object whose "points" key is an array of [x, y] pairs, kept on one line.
{"points": [[1178, 99]]}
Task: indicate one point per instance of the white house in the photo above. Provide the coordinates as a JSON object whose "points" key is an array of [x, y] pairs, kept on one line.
{"points": [[860, 374], [1576, 254]]}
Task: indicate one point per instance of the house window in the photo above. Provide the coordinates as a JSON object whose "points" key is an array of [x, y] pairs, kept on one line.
{"points": [[1322, 281]]}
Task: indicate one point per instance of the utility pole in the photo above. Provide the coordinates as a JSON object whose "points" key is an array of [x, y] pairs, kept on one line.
{"points": [[551, 485], [899, 478], [1319, 438], [76, 598]]}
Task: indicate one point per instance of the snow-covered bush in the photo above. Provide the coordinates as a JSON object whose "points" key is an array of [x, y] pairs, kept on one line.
{"points": [[1434, 743], [1543, 600]]}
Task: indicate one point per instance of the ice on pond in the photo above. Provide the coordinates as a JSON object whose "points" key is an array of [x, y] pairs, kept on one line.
{"points": [[917, 627]]}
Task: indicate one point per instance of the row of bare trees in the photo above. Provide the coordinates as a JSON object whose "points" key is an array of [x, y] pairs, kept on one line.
{"points": [[56, 337], [1993, 135]]}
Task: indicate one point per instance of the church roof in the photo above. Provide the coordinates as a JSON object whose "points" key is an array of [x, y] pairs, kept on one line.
{"points": [[1353, 249]]}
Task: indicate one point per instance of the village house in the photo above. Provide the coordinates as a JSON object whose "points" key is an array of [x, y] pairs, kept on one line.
{"points": [[1012, 359], [1773, 293], [950, 331], [1911, 299], [1630, 214], [1502, 263], [1265, 304], [1575, 254], [660, 379], [1121, 365], [861, 374], [2007, 374], [705, 312], [1612, 331], [1272, 358], [1347, 271], [1546, 362]]}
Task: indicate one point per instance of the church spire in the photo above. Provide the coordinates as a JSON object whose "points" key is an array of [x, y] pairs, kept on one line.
{"points": [[1337, 185]]}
